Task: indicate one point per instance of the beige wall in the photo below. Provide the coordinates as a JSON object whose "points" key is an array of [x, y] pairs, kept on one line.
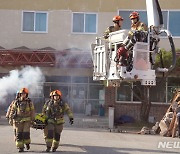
{"points": [[83, 5], [75, 5], [59, 34]]}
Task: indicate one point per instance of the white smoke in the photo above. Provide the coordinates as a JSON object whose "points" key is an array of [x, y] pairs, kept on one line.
{"points": [[76, 58], [28, 77]]}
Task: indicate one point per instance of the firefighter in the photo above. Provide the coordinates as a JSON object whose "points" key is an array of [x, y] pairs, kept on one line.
{"points": [[10, 106], [22, 115], [136, 27], [44, 112], [9, 111], [55, 112], [118, 21], [136, 23]]}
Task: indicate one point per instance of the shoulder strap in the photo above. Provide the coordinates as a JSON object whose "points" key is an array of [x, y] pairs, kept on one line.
{"points": [[16, 102], [29, 103]]}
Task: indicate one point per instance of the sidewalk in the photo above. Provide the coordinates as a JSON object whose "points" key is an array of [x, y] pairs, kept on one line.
{"points": [[92, 141], [93, 122], [3, 120]]}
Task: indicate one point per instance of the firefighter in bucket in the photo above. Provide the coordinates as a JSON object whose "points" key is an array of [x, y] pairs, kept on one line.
{"points": [[138, 33], [54, 111]]}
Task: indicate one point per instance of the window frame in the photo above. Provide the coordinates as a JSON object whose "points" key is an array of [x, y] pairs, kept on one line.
{"points": [[167, 101], [168, 12], [130, 10], [172, 10], [35, 12], [84, 13]]}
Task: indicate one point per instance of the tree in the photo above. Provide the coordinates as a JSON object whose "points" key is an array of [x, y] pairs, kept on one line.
{"points": [[164, 59], [142, 94]]}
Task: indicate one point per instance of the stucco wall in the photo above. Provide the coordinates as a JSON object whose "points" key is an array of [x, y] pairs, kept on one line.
{"points": [[83, 5], [59, 34]]}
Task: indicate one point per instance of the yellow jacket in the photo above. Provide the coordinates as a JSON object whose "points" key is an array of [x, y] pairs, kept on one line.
{"points": [[55, 111], [109, 30], [22, 111], [140, 26]]}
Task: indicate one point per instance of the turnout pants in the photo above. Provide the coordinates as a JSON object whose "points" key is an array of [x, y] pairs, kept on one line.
{"points": [[53, 135], [22, 133], [45, 132]]}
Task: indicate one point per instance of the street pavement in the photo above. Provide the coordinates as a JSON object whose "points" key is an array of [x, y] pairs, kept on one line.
{"points": [[91, 141]]}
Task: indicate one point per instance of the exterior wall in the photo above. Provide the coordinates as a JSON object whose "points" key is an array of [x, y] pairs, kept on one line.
{"points": [[110, 96], [49, 71], [60, 37], [76, 5], [132, 109], [59, 34], [80, 5]]}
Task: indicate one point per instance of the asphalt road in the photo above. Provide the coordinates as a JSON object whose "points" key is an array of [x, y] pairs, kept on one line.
{"points": [[92, 141]]}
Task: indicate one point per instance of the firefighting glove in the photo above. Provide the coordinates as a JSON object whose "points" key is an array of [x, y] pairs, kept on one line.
{"points": [[71, 121], [122, 52]]}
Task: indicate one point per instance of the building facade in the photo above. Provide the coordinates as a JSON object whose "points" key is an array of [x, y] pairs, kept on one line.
{"points": [[73, 25]]}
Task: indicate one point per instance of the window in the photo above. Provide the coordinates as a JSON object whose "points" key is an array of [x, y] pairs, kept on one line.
{"points": [[170, 19], [161, 93], [127, 21], [173, 83], [84, 23], [34, 22], [165, 18], [79, 91], [174, 22], [96, 92], [124, 92]]}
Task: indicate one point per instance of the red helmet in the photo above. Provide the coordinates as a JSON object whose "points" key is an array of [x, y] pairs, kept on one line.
{"points": [[117, 18], [24, 90], [134, 15], [57, 92]]}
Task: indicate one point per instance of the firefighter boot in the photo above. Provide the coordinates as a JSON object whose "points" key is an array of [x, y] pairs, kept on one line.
{"points": [[21, 149], [48, 149], [27, 146], [54, 150]]}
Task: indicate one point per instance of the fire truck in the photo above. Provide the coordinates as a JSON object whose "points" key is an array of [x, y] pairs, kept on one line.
{"points": [[139, 66]]}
